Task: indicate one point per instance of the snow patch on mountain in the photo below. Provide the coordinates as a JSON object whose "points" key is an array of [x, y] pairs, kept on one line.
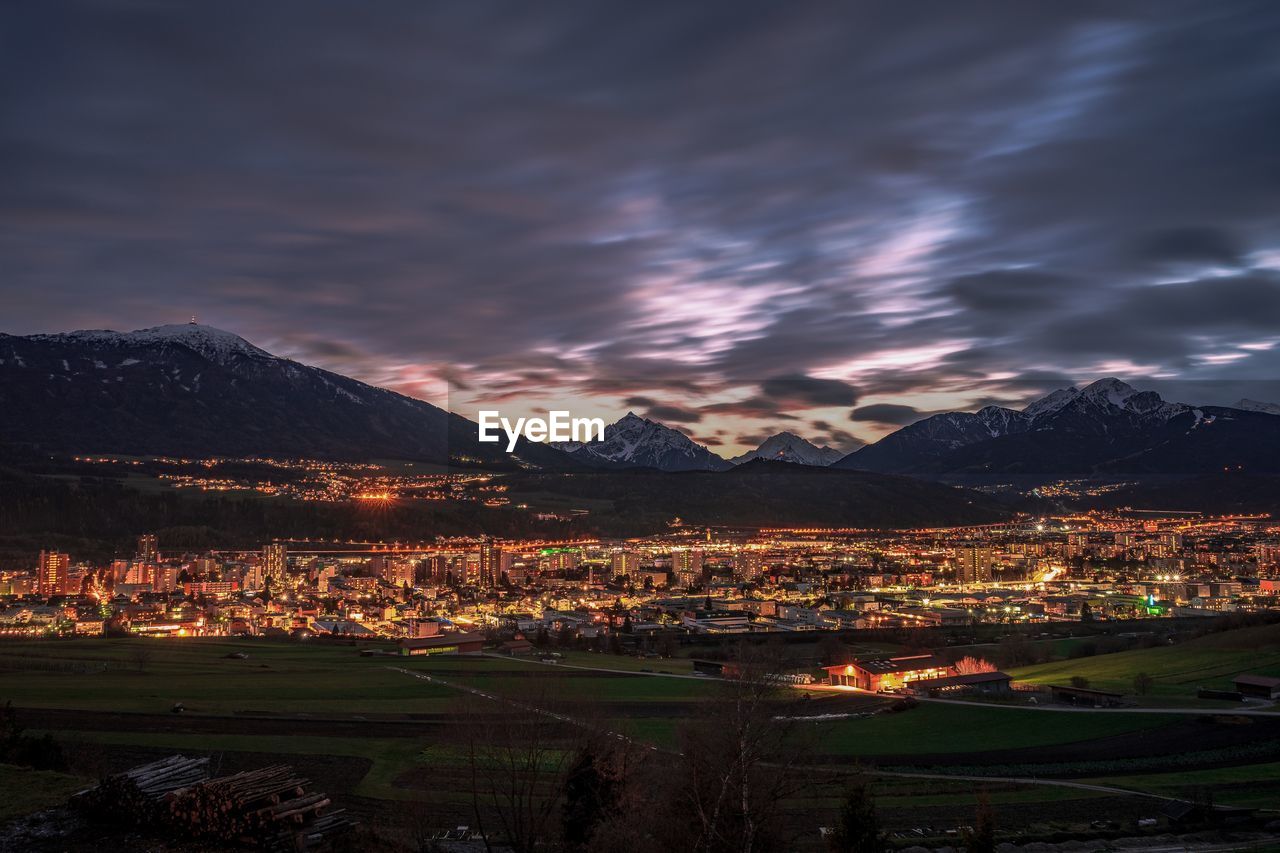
{"points": [[789, 447], [1103, 397], [214, 344], [638, 441], [1051, 402]]}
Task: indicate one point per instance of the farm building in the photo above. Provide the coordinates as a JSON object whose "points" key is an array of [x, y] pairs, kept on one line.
{"points": [[976, 682], [517, 646], [1258, 686], [443, 644], [1085, 697], [887, 673]]}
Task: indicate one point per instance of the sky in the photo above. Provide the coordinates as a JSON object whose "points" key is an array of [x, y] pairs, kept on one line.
{"points": [[735, 217]]}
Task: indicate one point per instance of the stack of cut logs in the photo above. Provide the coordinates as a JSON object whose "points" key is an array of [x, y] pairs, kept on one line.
{"points": [[268, 808], [139, 794]]}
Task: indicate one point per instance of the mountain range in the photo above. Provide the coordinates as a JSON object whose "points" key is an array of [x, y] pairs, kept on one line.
{"points": [[789, 447], [636, 442], [198, 391], [195, 391], [1107, 427]]}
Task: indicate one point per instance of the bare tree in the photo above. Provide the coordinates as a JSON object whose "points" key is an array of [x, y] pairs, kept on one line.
{"points": [[742, 759], [969, 665], [141, 654], [1143, 682], [522, 755], [981, 837]]}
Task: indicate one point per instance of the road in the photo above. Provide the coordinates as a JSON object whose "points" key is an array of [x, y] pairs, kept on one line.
{"points": [[1014, 780], [1253, 711], [1213, 712], [559, 665]]}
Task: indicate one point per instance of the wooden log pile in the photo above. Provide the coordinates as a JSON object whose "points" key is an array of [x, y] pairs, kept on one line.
{"points": [[270, 808], [138, 795]]}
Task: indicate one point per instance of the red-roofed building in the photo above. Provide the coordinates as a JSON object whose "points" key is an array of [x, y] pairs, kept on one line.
{"points": [[885, 674]]}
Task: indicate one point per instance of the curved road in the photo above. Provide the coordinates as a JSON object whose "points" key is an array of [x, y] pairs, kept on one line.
{"points": [[1014, 780]]}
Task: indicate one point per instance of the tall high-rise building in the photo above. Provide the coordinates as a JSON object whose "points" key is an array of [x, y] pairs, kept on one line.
{"points": [[53, 573], [624, 563], [398, 572], [469, 569], [562, 560], [490, 564], [974, 565], [147, 549], [748, 565], [165, 579], [324, 577], [275, 561], [437, 568], [686, 564], [1268, 554]]}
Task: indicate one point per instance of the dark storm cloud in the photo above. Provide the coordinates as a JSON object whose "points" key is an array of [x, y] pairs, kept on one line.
{"points": [[810, 392], [1010, 291], [830, 435], [632, 199], [1193, 245], [888, 414], [1175, 323], [750, 407], [663, 412]]}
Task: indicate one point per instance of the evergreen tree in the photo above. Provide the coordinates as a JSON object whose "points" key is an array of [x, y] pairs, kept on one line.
{"points": [[858, 828], [589, 798], [981, 838]]}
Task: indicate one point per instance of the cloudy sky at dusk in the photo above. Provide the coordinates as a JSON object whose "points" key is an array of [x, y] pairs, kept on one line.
{"points": [[734, 216]]}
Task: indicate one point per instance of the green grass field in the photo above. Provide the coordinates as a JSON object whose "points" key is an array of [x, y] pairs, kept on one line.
{"points": [[1210, 662], [938, 728], [24, 791], [629, 663], [299, 678], [1250, 785], [275, 678], [415, 754]]}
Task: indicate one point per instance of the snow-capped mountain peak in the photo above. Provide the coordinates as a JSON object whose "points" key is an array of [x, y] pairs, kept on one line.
{"points": [[1103, 396], [1001, 421], [1110, 390], [196, 390], [1051, 402], [214, 344], [636, 441], [789, 447]]}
